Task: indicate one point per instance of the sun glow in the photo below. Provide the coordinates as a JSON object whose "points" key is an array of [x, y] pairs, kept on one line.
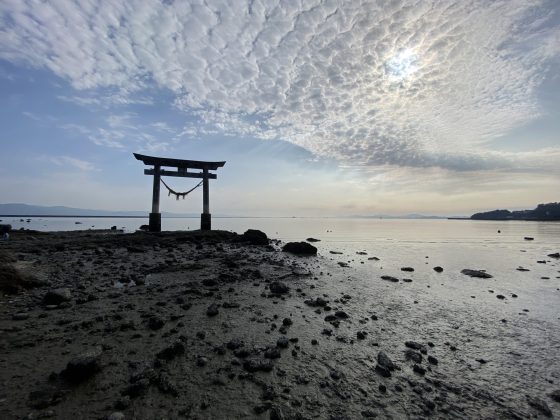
{"points": [[402, 65]]}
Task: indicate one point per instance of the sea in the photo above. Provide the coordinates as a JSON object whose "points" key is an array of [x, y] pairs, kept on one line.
{"points": [[511, 321]]}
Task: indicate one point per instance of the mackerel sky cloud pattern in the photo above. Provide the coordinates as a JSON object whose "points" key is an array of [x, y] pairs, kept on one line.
{"points": [[404, 83]]}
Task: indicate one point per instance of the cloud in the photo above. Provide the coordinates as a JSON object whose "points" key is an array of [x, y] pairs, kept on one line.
{"points": [[66, 161], [404, 83]]}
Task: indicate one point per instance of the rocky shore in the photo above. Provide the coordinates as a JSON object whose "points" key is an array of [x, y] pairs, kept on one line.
{"points": [[215, 325]]}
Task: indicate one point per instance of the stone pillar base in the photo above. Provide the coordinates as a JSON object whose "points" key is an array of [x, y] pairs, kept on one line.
{"points": [[205, 221], [155, 222]]}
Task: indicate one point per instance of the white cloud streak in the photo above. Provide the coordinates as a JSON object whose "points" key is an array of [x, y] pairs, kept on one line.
{"points": [[406, 83]]}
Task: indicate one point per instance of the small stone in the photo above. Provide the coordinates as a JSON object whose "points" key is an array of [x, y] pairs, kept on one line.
{"points": [[57, 296], [539, 405], [300, 248], [413, 355], [283, 343], [438, 269], [82, 367], [390, 278], [361, 335], [432, 360], [278, 288], [408, 269], [171, 351], [419, 369], [212, 310], [476, 273], [287, 322], [555, 395], [155, 323]]}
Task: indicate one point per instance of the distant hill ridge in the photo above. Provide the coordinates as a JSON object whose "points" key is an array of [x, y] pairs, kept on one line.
{"points": [[20, 209], [549, 211]]}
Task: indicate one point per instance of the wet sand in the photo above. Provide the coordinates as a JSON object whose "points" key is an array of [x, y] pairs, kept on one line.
{"points": [[193, 325]]}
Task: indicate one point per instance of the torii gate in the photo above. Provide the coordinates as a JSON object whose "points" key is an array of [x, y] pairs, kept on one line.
{"points": [[183, 167]]}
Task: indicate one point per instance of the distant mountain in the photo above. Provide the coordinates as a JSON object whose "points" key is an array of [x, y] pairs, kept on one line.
{"points": [[549, 211], [23, 210]]}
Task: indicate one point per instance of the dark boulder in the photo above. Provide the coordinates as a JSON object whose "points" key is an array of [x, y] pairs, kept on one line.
{"points": [[476, 273], [438, 269], [278, 288], [384, 361], [255, 237], [82, 367], [390, 278], [313, 240], [171, 351], [539, 405], [4, 228], [555, 255], [57, 296], [300, 248]]}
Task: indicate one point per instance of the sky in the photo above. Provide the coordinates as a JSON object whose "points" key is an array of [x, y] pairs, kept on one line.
{"points": [[319, 108]]}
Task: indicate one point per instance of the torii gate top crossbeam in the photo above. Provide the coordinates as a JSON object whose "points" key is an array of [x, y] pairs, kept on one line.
{"points": [[178, 163]]}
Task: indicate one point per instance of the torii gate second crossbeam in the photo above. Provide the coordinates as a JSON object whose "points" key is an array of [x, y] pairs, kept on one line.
{"points": [[182, 171]]}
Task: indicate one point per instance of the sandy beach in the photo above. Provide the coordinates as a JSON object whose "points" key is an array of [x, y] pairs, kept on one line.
{"points": [[209, 326]]}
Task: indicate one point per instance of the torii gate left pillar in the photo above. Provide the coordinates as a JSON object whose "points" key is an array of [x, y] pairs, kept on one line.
{"points": [[182, 171]]}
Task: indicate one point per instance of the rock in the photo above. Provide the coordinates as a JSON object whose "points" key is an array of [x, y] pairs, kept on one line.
{"points": [[113, 228], [57, 296], [335, 252], [283, 343], [342, 264], [432, 360], [278, 288], [501, 297], [555, 395], [287, 322], [201, 361], [272, 353], [155, 323], [476, 273], [300, 248], [383, 371], [313, 240], [408, 269], [256, 365], [390, 278], [373, 259], [341, 315], [556, 255], [5, 228], [539, 405], [82, 367], [117, 415], [384, 361], [415, 346], [255, 237], [528, 238], [413, 355], [20, 316], [171, 351], [419, 369], [234, 344], [212, 310], [145, 228], [438, 269], [316, 302], [361, 335]]}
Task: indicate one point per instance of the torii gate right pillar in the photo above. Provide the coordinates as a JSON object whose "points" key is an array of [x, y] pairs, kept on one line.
{"points": [[205, 217]]}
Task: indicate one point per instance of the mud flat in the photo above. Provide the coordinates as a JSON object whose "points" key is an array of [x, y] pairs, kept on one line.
{"points": [[101, 324]]}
